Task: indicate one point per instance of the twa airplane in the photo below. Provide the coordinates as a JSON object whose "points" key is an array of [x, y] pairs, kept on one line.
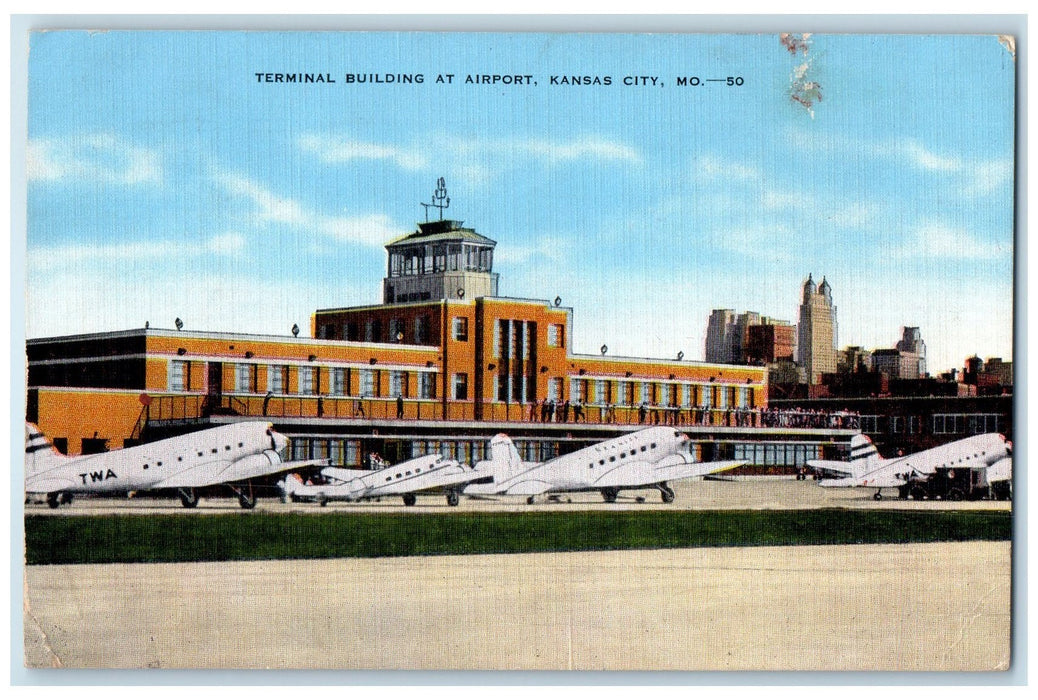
{"points": [[866, 468], [645, 459], [229, 454], [428, 473]]}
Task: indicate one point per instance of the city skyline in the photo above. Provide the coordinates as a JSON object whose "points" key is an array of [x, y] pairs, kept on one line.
{"points": [[166, 180]]}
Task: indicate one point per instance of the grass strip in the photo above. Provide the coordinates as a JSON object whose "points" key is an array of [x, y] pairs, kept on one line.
{"points": [[255, 536]]}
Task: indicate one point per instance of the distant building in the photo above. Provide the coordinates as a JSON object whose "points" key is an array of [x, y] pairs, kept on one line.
{"points": [[747, 338], [896, 364], [912, 342], [770, 342], [854, 359], [817, 331]]}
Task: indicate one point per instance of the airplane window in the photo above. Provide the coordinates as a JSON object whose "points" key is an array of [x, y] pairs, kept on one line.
{"points": [[418, 471], [215, 450], [398, 476], [591, 466], [158, 464], [653, 445], [145, 466], [643, 448], [180, 459], [612, 459], [241, 444], [601, 461], [199, 454], [227, 447], [407, 473], [389, 478]]}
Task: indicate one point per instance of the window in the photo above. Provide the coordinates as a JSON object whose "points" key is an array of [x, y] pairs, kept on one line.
{"points": [[396, 330], [665, 394], [555, 389], [461, 328], [578, 390], [373, 331], [627, 393], [178, 376], [706, 396], [461, 386], [602, 392], [743, 396], [646, 390], [397, 383], [686, 395], [338, 381], [276, 378], [421, 330], [427, 385], [306, 380], [722, 397], [243, 375], [367, 382], [556, 335]]}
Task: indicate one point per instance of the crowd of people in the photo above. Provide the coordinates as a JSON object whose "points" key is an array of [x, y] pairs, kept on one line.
{"points": [[550, 411], [809, 418]]}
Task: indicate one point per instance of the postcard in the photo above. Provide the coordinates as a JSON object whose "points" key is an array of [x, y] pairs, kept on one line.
{"points": [[519, 351]]}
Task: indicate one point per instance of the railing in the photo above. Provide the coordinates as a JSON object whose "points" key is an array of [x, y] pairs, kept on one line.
{"points": [[190, 407]]}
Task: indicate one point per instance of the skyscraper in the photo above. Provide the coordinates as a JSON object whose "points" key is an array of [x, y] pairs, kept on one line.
{"points": [[912, 342], [816, 331]]}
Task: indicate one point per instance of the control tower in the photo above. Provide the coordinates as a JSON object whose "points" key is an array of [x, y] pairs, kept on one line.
{"points": [[441, 260]]}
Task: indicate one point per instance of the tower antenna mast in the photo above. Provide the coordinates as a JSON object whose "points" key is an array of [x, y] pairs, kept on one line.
{"points": [[440, 200]]}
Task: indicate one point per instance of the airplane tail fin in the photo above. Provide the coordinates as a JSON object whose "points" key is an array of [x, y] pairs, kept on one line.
{"points": [[290, 484], [40, 453], [504, 458], [864, 455]]}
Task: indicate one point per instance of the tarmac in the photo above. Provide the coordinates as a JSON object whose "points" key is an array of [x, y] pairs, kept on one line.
{"points": [[742, 494], [915, 607]]}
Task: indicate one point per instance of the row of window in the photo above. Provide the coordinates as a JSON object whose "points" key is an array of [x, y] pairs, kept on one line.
{"points": [[623, 393], [940, 424], [793, 455], [432, 259]]}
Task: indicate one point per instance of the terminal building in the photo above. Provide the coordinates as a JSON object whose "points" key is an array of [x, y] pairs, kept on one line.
{"points": [[442, 364]]}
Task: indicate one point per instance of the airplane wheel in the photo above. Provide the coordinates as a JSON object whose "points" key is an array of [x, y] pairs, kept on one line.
{"points": [[529, 500], [955, 495], [52, 500], [917, 493], [247, 500], [877, 496], [188, 498], [322, 500], [666, 493], [609, 495], [452, 498], [410, 499]]}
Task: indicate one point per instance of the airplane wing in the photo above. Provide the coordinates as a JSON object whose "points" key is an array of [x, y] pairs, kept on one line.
{"points": [[438, 479], [672, 468], [340, 474], [224, 471], [830, 468]]}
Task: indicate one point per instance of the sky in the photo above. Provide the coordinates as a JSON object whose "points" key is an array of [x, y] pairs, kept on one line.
{"points": [[166, 180]]}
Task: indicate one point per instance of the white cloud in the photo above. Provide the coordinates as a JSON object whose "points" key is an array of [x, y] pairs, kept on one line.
{"points": [[335, 149], [926, 159], [585, 148], [268, 207], [711, 167], [551, 249], [47, 258], [937, 239], [97, 158], [989, 177], [89, 299]]}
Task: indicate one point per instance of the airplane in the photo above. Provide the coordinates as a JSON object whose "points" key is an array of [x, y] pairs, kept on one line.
{"points": [[228, 454], [867, 468], [405, 479], [647, 458]]}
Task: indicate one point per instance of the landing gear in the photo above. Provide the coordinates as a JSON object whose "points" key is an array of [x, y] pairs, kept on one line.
{"points": [[246, 498], [666, 492], [955, 495], [917, 493], [609, 495], [188, 497], [322, 500], [410, 499], [54, 499], [877, 496], [530, 500], [453, 498]]}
